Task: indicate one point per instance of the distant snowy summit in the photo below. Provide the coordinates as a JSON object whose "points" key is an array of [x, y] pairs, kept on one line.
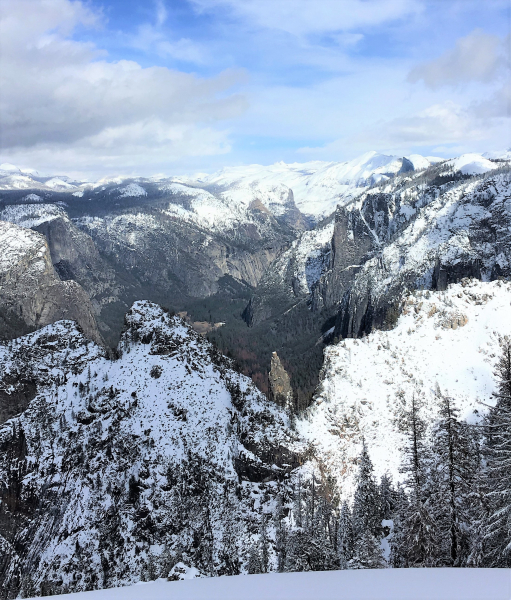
{"points": [[319, 186], [316, 187]]}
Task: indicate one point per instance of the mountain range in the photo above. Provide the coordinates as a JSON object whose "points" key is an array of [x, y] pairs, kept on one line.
{"points": [[181, 355]]}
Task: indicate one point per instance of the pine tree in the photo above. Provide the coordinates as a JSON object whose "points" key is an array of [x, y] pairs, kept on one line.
{"points": [[368, 553], [280, 534], [386, 498], [264, 552], [228, 555], [254, 560], [455, 465], [414, 542], [345, 537], [497, 427], [366, 504]]}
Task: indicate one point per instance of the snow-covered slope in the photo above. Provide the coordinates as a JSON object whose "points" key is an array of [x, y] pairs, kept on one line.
{"points": [[319, 186], [117, 463], [472, 164], [31, 215], [443, 340], [395, 584], [316, 187]]}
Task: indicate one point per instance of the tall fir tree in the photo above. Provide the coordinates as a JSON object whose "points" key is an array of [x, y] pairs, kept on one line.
{"points": [[366, 503], [415, 540], [497, 428], [455, 465], [345, 538]]}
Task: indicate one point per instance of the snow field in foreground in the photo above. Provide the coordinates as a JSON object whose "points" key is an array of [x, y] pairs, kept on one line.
{"points": [[385, 584]]}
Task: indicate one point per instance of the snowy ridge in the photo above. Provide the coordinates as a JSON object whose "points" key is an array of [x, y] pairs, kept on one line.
{"points": [[472, 164], [31, 215], [448, 339], [107, 443], [319, 186], [446, 225], [16, 244]]}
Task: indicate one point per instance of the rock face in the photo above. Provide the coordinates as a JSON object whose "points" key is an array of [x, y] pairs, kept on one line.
{"points": [[169, 242], [425, 230], [117, 468], [444, 342], [279, 384], [31, 294]]}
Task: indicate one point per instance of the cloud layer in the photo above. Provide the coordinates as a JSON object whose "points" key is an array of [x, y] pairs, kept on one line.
{"points": [[58, 93], [303, 17], [478, 56], [172, 86]]}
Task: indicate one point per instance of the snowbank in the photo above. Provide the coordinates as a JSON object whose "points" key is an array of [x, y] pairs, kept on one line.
{"points": [[390, 584]]}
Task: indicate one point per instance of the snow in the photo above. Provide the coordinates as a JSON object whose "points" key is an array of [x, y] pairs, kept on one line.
{"points": [[386, 584], [317, 186], [497, 154], [472, 164], [57, 183], [164, 398], [132, 190], [31, 215], [32, 198], [420, 162], [16, 243], [448, 339], [9, 168]]}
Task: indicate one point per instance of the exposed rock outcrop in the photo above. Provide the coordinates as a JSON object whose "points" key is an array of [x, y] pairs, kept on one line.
{"points": [[31, 294], [279, 384]]}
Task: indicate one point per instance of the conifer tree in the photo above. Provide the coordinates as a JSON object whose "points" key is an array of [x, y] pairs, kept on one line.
{"points": [[386, 497], [455, 465], [415, 534], [345, 538], [281, 534], [498, 469], [366, 504], [264, 551], [254, 560], [368, 553]]}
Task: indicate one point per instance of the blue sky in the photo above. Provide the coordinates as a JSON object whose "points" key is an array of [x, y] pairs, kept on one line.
{"points": [[175, 86]]}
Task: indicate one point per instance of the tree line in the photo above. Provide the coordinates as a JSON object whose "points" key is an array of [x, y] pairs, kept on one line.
{"points": [[451, 509]]}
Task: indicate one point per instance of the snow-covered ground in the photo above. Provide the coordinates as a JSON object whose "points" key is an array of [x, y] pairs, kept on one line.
{"points": [[472, 164], [319, 186], [387, 584], [443, 340], [31, 215]]}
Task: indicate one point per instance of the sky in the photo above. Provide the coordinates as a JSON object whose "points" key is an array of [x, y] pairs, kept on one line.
{"points": [[101, 87]]}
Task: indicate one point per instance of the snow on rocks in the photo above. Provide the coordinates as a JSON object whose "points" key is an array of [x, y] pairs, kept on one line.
{"points": [[111, 444], [31, 215], [472, 164], [445, 341], [132, 190], [318, 186], [16, 243]]}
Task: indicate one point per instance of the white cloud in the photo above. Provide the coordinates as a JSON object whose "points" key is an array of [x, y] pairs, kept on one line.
{"points": [[447, 127], [303, 17], [161, 13], [153, 39], [56, 93], [141, 148], [478, 56]]}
